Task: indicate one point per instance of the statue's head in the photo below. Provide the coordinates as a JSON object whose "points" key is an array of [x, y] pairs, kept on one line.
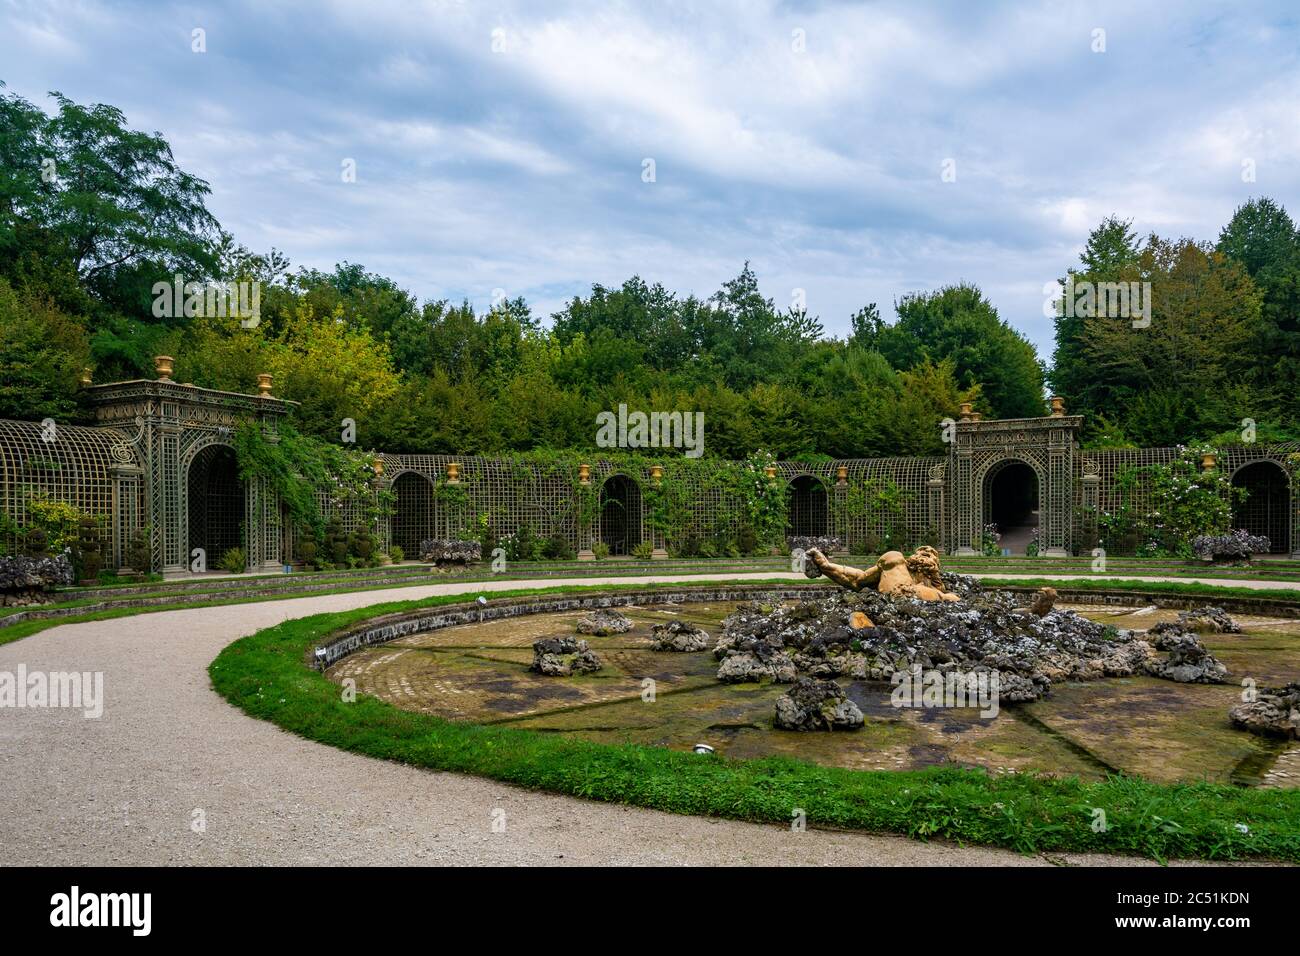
{"points": [[924, 564]]}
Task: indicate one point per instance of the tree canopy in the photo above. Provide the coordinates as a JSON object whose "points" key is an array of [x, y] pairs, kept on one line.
{"points": [[93, 214]]}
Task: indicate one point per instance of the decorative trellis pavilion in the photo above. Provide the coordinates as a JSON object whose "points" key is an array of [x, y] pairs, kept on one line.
{"points": [[160, 459]]}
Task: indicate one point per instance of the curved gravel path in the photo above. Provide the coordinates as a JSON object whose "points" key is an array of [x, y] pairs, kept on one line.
{"points": [[129, 787]]}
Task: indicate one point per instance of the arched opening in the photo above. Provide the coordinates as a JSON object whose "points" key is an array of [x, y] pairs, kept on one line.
{"points": [[412, 512], [1011, 503], [809, 513], [620, 514], [1267, 508], [216, 504]]}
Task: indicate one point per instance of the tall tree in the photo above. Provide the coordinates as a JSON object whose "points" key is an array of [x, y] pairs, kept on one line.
{"points": [[1187, 373], [958, 324], [1264, 239], [1111, 254]]}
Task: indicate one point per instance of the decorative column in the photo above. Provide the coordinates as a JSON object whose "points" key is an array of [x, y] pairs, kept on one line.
{"points": [[660, 552], [1090, 480], [964, 493], [934, 501], [585, 535], [839, 517], [1055, 510]]}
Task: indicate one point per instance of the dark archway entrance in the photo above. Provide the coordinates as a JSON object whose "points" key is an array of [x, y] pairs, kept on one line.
{"points": [[809, 513], [1011, 502], [1266, 510], [620, 514], [412, 512], [216, 504]]}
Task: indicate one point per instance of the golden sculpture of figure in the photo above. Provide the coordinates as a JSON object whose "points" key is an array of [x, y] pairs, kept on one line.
{"points": [[893, 573]]}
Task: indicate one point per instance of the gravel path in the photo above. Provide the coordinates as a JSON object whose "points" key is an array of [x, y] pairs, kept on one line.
{"points": [[128, 788]]}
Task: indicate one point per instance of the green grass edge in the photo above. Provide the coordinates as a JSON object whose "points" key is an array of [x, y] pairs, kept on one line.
{"points": [[265, 676]]}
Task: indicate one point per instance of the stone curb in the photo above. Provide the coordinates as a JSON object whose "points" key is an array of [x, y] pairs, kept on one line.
{"points": [[334, 647], [380, 630]]}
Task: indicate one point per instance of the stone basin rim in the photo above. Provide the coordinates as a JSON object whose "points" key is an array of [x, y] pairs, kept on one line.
{"points": [[384, 628]]}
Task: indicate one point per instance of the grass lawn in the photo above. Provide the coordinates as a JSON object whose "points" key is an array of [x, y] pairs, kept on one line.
{"points": [[265, 675]]}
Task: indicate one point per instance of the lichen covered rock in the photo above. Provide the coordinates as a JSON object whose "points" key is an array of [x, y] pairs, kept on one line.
{"points": [[447, 551], [754, 659], [679, 636], [1275, 712], [816, 705], [1212, 619], [25, 580], [987, 629], [563, 657], [1188, 661], [602, 623]]}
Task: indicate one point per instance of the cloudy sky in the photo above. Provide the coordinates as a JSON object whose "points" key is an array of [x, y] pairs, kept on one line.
{"points": [[507, 145]]}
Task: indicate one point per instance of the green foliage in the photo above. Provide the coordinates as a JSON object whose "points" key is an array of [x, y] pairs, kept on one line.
{"points": [[79, 255], [87, 556], [336, 543], [1223, 343], [298, 467], [396, 553], [601, 550], [557, 548], [234, 561], [643, 551], [1262, 237], [524, 544], [139, 556], [880, 505], [119, 216], [58, 521], [1183, 501], [958, 324], [42, 353]]}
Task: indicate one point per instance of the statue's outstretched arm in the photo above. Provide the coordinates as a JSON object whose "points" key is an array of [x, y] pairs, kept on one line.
{"points": [[855, 579]]}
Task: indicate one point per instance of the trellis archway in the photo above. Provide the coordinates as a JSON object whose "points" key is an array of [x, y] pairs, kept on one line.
{"points": [[1011, 490], [217, 500], [620, 514], [413, 512], [1267, 508], [808, 508]]}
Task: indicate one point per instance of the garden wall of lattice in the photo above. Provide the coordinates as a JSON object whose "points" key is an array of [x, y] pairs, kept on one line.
{"points": [[134, 471]]}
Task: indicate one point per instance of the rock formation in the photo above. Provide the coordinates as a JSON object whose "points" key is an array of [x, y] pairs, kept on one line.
{"points": [[443, 551], [602, 623], [1212, 619], [563, 657], [985, 631], [816, 705], [1235, 545], [1275, 712], [25, 580], [679, 636]]}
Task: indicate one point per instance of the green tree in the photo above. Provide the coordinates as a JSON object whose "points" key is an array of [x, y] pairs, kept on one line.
{"points": [[958, 324], [1110, 255], [42, 353], [1186, 375], [1263, 238]]}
